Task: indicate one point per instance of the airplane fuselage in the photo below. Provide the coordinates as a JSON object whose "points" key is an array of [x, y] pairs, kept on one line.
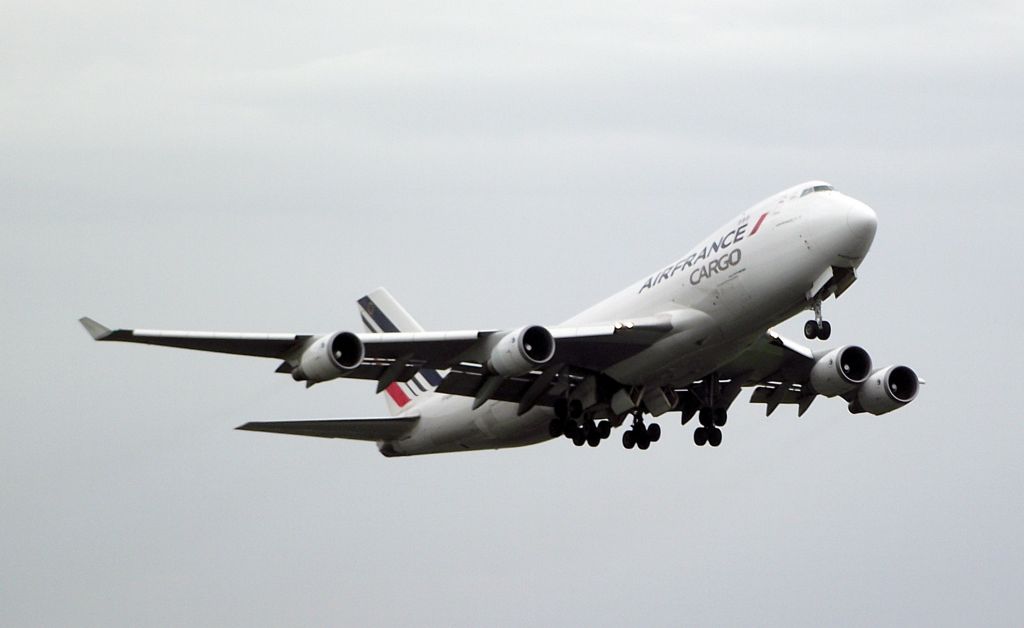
{"points": [[755, 271]]}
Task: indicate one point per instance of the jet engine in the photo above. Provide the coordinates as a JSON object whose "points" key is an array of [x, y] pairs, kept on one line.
{"points": [[330, 357], [522, 350], [840, 370], [886, 390]]}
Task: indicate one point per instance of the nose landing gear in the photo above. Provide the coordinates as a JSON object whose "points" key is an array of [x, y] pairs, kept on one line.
{"points": [[817, 328]]}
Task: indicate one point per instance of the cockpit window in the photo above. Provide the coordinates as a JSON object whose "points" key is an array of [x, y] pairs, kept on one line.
{"points": [[817, 188]]}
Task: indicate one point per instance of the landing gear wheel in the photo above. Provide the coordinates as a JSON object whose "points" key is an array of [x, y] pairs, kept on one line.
{"points": [[654, 432], [628, 439], [720, 416], [562, 408], [700, 436], [824, 330], [706, 417], [578, 438], [556, 427], [811, 330], [715, 437], [604, 428], [643, 443], [570, 428], [593, 436], [575, 409]]}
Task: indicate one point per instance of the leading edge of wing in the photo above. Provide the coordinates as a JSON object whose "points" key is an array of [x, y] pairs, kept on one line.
{"points": [[264, 345], [372, 429]]}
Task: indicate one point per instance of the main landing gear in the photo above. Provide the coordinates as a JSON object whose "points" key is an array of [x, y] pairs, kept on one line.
{"points": [[589, 432], [711, 419], [712, 398], [640, 435], [817, 328], [567, 423]]}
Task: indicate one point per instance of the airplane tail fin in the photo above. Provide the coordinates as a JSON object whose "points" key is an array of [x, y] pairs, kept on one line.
{"points": [[381, 313]]}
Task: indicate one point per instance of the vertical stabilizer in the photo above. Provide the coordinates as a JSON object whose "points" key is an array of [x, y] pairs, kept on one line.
{"points": [[381, 313]]}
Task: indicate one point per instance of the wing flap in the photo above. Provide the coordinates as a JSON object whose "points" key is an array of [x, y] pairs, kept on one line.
{"points": [[468, 384], [372, 429]]}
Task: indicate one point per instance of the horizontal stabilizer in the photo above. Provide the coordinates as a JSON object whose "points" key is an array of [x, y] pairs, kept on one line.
{"points": [[373, 429]]}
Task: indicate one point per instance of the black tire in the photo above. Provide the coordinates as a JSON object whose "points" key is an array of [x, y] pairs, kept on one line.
{"points": [[570, 428], [705, 417], [593, 439], [721, 416], [604, 428], [811, 330], [654, 432], [715, 437], [700, 436], [825, 332], [556, 427], [562, 408], [628, 439], [643, 443], [578, 438], [575, 409]]}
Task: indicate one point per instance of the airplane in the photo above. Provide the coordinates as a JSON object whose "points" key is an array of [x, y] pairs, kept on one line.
{"points": [[687, 338]]}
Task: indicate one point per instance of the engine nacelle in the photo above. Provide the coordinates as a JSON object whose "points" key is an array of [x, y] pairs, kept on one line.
{"points": [[522, 350], [886, 390], [329, 357], [840, 370]]}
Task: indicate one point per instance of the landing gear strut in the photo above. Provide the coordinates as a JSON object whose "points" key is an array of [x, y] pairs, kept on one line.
{"points": [[640, 435], [713, 413], [817, 328], [568, 408]]}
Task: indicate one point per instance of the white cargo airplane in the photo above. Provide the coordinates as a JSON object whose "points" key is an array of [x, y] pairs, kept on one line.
{"points": [[686, 338]]}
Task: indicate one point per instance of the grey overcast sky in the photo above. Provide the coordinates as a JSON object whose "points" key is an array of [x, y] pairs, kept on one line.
{"points": [[259, 166]]}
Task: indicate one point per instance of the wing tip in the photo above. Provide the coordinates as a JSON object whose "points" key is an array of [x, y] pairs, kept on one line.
{"points": [[96, 330]]}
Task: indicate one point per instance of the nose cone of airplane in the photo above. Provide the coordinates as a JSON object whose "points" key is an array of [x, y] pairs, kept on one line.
{"points": [[862, 223]]}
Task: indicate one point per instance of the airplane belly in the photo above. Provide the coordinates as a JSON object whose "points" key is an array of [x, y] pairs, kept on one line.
{"points": [[450, 424], [697, 331]]}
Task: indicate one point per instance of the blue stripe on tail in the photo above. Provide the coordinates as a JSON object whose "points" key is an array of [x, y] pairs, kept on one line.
{"points": [[382, 322]]}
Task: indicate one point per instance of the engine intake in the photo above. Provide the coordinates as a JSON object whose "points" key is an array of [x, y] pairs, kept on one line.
{"points": [[886, 390], [841, 370], [330, 357], [522, 350]]}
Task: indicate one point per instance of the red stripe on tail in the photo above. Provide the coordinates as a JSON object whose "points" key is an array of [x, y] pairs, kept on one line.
{"points": [[397, 395]]}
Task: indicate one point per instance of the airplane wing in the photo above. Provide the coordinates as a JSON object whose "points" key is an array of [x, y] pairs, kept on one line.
{"points": [[395, 357], [777, 368], [416, 350], [373, 429]]}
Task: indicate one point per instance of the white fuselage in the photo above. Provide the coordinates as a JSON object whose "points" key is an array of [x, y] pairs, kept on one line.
{"points": [[755, 271]]}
